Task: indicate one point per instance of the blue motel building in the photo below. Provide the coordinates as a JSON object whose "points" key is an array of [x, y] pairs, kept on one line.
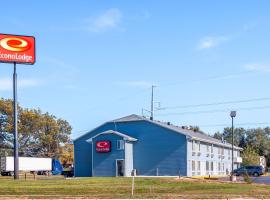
{"points": [[152, 148]]}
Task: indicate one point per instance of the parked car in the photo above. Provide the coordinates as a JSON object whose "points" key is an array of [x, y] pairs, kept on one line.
{"points": [[250, 170]]}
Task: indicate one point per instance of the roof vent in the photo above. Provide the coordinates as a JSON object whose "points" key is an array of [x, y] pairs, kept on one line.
{"points": [[183, 127], [168, 123]]}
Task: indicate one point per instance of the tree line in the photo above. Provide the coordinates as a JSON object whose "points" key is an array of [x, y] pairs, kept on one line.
{"points": [[255, 142], [39, 134]]}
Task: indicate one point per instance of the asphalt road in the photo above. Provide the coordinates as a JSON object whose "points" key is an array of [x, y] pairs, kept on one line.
{"points": [[261, 179]]}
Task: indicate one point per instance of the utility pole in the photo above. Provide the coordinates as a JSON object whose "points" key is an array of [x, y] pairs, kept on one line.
{"points": [[232, 114], [152, 103]]}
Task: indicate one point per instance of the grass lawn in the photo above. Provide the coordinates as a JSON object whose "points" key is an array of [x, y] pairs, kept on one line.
{"points": [[121, 188]]}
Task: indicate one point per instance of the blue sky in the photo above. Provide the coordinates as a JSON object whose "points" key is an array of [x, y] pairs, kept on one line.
{"points": [[96, 60]]}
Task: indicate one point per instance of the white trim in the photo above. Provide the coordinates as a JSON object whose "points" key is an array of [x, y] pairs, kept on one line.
{"points": [[125, 137]]}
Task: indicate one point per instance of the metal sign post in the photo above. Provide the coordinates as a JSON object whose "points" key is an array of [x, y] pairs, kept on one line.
{"points": [[15, 125], [16, 49]]}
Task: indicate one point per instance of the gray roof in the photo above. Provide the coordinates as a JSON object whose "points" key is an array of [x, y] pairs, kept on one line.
{"points": [[126, 137], [196, 135]]}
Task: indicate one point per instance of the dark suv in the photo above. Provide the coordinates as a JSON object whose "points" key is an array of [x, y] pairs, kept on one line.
{"points": [[250, 170]]}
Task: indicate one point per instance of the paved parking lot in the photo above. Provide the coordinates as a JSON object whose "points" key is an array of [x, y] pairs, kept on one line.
{"points": [[260, 179]]}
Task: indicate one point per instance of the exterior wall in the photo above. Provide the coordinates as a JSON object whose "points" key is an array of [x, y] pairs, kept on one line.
{"points": [[104, 164], [219, 161], [83, 152], [158, 151]]}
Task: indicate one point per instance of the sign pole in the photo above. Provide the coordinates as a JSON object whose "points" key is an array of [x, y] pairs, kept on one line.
{"points": [[17, 49], [15, 125]]}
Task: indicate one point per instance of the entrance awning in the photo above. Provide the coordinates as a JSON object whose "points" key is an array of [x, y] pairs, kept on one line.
{"points": [[124, 136]]}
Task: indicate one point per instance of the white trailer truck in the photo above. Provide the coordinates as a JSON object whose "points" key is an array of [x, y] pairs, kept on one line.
{"points": [[27, 164]]}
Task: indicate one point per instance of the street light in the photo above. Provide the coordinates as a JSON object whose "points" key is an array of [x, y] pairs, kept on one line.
{"points": [[232, 114]]}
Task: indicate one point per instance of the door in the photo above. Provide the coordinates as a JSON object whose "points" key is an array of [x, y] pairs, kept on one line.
{"points": [[120, 168]]}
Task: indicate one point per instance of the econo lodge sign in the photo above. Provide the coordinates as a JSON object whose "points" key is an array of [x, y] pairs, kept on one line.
{"points": [[103, 146], [17, 49]]}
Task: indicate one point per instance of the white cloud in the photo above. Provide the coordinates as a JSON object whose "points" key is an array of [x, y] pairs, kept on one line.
{"points": [[258, 67], [6, 83], [211, 42], [107, 20]]}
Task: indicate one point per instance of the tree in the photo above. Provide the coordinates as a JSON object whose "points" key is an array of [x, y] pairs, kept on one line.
{"points": [[67, 154], [250, 156], [40, 134], [257, 139]]}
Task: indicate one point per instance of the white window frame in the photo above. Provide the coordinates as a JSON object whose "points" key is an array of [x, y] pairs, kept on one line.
{"points": [[120, 144], [198, 167]]}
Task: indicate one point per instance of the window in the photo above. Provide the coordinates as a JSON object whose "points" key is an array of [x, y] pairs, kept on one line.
{"points": [[199, 165], [193, 165], [212, 148], [199, 146], [222, 151], [120, 144], [193, 145], [207, 148], [212, 166], [207, 165]]}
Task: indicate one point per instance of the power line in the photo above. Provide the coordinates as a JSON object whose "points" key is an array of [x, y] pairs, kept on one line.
{"points": [[216, 103], [211, 78], [214, 111]]}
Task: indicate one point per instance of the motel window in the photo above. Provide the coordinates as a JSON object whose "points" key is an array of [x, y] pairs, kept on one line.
{"points": [[199, 146], [207, 148], [212, 148], [219, 150], [193, 145], [212, 166], [193, 165], [222, 151], [199, 165], [120, 144], [207, 165], [219, 168]]}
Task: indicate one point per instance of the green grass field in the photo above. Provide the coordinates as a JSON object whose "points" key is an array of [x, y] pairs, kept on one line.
{"points": [[121, 188]]}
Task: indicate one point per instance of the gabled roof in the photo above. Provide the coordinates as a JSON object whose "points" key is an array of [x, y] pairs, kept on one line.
{"points": [[124, 136], [129, 118], [196, 135]]}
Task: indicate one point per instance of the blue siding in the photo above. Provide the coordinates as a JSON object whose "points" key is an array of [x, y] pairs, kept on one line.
{"points": [[105, 163], [157, 149], [83, 152]]}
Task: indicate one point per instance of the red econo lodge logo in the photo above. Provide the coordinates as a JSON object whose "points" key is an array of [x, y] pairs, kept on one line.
{"points": [[103, 146], [19, 49]]}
